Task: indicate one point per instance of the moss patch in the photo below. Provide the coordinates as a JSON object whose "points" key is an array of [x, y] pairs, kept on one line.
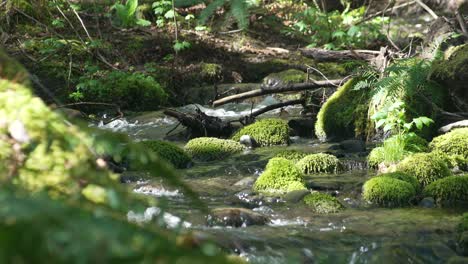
{"points": [[292, 155], [403, 177], [344, 114], [388, 192], [449, 191], [319, 163], [426, 167], [280, 176], [267, 132], [453, 144], [169, 152], [323, 203], [288, 76], [208, 148]]}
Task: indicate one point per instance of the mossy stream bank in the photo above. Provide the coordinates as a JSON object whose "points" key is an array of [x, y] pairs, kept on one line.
{"points": [[359, 233]]}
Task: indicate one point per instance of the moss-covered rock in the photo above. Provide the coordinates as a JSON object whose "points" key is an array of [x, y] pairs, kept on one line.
{"points": [[454, 144], [323, 203], [344, 114], [319, 163], [403, 177], [52, 153], [280, 176], [449, 191], [169, 152], [292, 155], [208, 148], [288, 76], [375, 157], [388, 192], [426, 167], [266, 132]]}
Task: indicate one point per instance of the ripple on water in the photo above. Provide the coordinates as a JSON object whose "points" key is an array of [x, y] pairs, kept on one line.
{"points": [[170, 220]]}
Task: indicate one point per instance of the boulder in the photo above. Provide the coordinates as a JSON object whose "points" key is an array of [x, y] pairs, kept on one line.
{"points": [[353, 145], [449, 127], [236, 217]]}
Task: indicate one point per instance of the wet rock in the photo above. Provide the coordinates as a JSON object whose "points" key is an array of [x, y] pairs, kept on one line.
{"points": [[248, 199], [302, 127], [449, 127], [352, 164], [334, 147], [295, 196], [427, 202], [245, 182], [353, 145], [236, 217], [248, 141]]}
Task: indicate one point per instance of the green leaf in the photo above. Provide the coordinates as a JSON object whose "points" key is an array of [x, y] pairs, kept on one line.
{"points": [[419, 124], [379, 123], [143, 22], [169, 14], [387, 127]]}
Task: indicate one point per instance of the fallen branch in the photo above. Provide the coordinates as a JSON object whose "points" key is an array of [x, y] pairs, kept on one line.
{"points": [[335, 55], [278, 89], [201, 124], [248, 119]]}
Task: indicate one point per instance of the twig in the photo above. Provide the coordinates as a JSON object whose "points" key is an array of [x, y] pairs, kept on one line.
{"points": [[68, 21], [170, 131], [319, 72], [381, 12], [428, 9], [81, 21]]}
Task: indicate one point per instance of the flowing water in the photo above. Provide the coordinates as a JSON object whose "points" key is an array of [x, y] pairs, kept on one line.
{"points": [[359, 234]]}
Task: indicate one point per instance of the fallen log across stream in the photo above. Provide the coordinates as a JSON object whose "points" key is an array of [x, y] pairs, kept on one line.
{"points": [[295, 87], [322, 55]]}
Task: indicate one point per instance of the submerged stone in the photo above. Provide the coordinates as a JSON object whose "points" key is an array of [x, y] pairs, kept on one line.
{"points": [[236, 217], [295, 196], [323, 203]]}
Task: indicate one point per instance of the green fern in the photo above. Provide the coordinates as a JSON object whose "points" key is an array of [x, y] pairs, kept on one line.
{"points": [[238, 9]]}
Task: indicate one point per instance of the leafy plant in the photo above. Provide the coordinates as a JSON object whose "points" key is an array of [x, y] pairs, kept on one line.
{"points": [[126, 14], [163, 11], [335, 30]]}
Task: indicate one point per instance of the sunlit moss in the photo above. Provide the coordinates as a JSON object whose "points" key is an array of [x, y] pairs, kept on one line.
{"points": [[207, 148], [426, 167], [323, 203], [319, 163], [280, 176], [388, 192], [266, 132], [449, 191]]}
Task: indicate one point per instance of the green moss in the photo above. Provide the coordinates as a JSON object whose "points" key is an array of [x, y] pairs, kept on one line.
{"points": [[267, 132], [394, 150], [452, 160], [319, 163], [292, 155], [403, 177], [54, 156], [426, 167], [457, 62], [343, 114], [289, 76], [323, 203], [207, 148], [211, 70], [169, 152], [280, 176], [135, 91], [388, 192], [375, 157], [454, 144], [462, 236], [449, 191]]}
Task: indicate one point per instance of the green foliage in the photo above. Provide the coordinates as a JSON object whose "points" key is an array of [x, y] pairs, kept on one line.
{"points": [[453, 144], [126, 14], [237, 9], [319, 163], [393, 119], [335, 30], [323, 203], [449, 191], [130, 90], [280, 176], [208, 148], [292, 155], [375, 157], [426, 167], [37, 228], [403, 177], [163, 11], [342, 116], [267, 132], [169, 152], [181, 45], [407, 81], [388, 192]]}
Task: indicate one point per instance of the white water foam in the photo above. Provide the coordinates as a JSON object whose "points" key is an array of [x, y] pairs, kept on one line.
{"points": [[157, 191], [150, 213]]}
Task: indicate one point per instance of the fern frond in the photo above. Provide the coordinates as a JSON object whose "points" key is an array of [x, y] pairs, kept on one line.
{"points": [[239, 10], [210, 10]]}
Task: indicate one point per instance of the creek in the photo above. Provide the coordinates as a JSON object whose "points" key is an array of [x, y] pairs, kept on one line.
{"points": [[358, 234]]}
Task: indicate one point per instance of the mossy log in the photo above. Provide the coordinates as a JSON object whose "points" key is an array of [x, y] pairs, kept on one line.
{"points": [[201, 124], [322, 55], [278, 89]]}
